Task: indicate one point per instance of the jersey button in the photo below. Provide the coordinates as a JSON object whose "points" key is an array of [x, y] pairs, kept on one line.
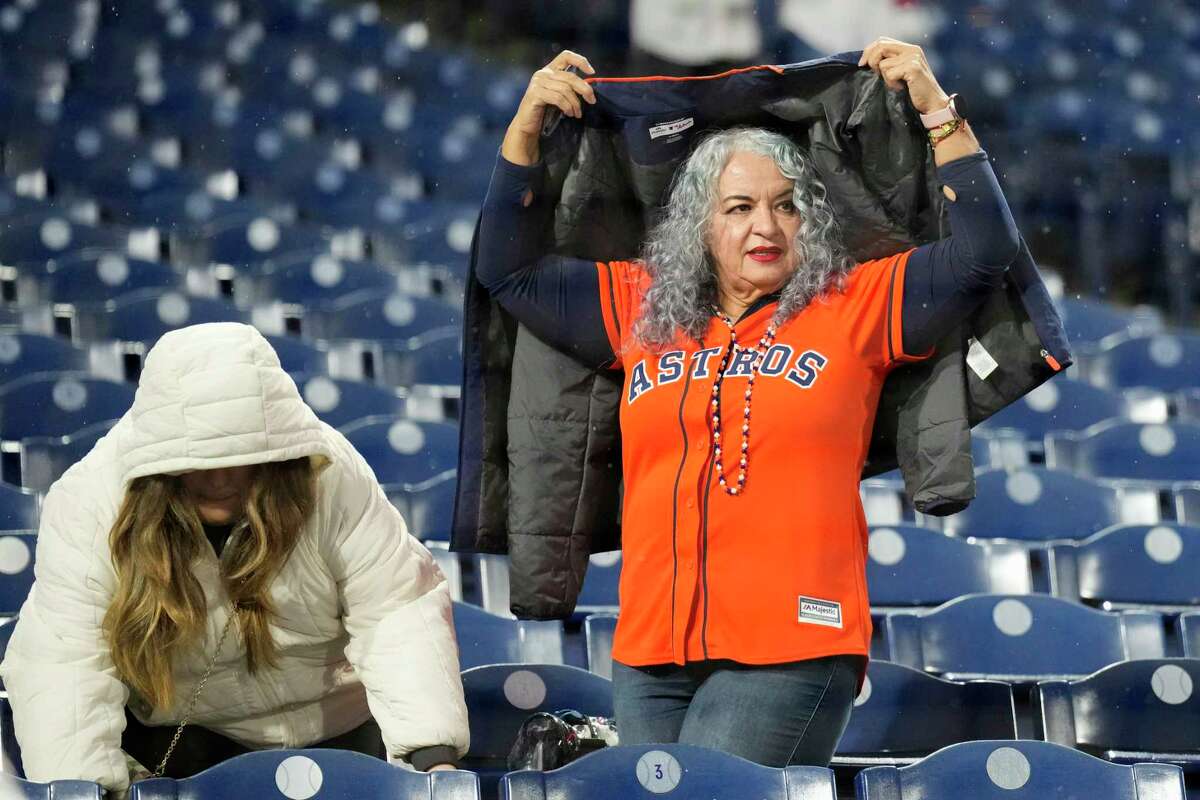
{"points": [[691, 503]]}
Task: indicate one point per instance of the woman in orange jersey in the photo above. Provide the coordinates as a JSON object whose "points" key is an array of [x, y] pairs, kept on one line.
{"points": [[754, 350]]}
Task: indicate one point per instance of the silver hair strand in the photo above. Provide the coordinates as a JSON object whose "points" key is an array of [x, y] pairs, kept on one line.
{"points": [[683, 285]]}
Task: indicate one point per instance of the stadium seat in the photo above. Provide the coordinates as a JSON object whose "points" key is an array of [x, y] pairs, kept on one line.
{"points": [[598, 630], [1058, 404], [1020, 638], [95, 278], [1164, 453], [1088, 321], [374, 315], [144, 316], [298, 356], [310, 773], [640, 771], [341, 402], [1130, 566], [45, 458], [244, 245], [1024, 770], [500, 697], [56, 237], [59, 404], [902, 715], [427, 506], [18, 508], [402, 450], [912, 566], [311, 281], [1036, 505], [1134, 711], [485, 638], [1165, 361], [999, 448], [16, 569], [433, 364], [24, 353]]}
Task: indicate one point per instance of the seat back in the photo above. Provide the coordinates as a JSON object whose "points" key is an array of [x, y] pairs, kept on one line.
{"points": [[341, 402], [1131, 565], [913, 566], [23, 354], [1152, 452], [310, 773], [1035, 504], [59, 404], [1058, 404], [901, 715], [500, 697], [1163, 361], [45, 458], [1019, 638], [18, 508], [1018, 770], [402, 450], [485, 638], [639, 771], [1130, 711]]}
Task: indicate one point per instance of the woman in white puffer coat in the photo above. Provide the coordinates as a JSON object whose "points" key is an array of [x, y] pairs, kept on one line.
{"points": [[220, 526]]}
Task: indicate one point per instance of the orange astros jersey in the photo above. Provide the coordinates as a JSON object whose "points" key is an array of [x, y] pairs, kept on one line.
{"points": [[776, 573]]}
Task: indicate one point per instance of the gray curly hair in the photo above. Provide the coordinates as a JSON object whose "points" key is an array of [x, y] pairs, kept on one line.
{"points": [[683, 285]]}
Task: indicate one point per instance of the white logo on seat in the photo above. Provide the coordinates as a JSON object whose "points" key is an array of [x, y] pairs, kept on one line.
{"points": [[298, 777], [886, 547], [1163, 544], [1008, 768], [14, 555], [525, 690], [1171, 684], [659, 772], [69, 394], [1012, 617]]}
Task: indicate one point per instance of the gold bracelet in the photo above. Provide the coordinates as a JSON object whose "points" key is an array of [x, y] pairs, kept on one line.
{"points": [[936, 135]]}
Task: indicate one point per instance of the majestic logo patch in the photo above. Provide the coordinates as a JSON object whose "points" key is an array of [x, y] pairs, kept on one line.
{"points": [[820, 612], [671, 128]]}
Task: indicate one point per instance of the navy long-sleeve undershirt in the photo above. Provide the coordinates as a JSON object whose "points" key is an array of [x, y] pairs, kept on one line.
{"points": [[558, 298]]}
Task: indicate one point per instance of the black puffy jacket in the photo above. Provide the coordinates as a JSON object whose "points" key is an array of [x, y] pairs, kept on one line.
{"points": [[540, 462]]}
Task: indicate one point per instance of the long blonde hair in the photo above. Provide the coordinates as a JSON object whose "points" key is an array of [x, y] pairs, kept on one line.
{"points": [[159, 609]]}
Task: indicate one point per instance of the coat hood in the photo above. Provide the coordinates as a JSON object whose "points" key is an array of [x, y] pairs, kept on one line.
{"points": [[212, 396]]}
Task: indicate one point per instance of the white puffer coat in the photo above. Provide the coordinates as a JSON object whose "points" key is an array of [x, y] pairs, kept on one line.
{"points": [[363, 623]]}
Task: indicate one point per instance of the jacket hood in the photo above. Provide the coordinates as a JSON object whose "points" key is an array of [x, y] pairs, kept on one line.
{"points": [[212, 396]]}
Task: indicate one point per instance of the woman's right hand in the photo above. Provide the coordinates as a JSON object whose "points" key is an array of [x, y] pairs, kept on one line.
{"points": [[552, 85]]}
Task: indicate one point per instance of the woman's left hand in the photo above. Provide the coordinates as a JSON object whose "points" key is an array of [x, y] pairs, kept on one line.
{"points": [[901, 64]]}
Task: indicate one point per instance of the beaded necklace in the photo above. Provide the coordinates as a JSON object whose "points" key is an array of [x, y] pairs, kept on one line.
{"points": [[764, 344]]}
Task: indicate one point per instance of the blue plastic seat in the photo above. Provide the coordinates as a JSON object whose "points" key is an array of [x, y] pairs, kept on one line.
{"points": [[1164, 361], [299, 356], [59, 404], [1088, 321], [18, 508], [56, 237], [17, 550], [500, 697], [342, 402], [1134, 711], [242, 245], [402, 450], [1128, 566], [428, 506], [1036, 504], [1019, 638], [651, 770], [485, 638], [434, 362], [1022, 770], [912, 566], [23, 354], [1151, 452], [95, 278], [431, 233], [310, 773], [146, 315], [384, 317], [45, 458], [902, 715], [1058, 404], [598, 631], [314, 280]]}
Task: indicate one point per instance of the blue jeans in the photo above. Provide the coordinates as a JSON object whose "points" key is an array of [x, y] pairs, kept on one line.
{"points": [[774, 714]]}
